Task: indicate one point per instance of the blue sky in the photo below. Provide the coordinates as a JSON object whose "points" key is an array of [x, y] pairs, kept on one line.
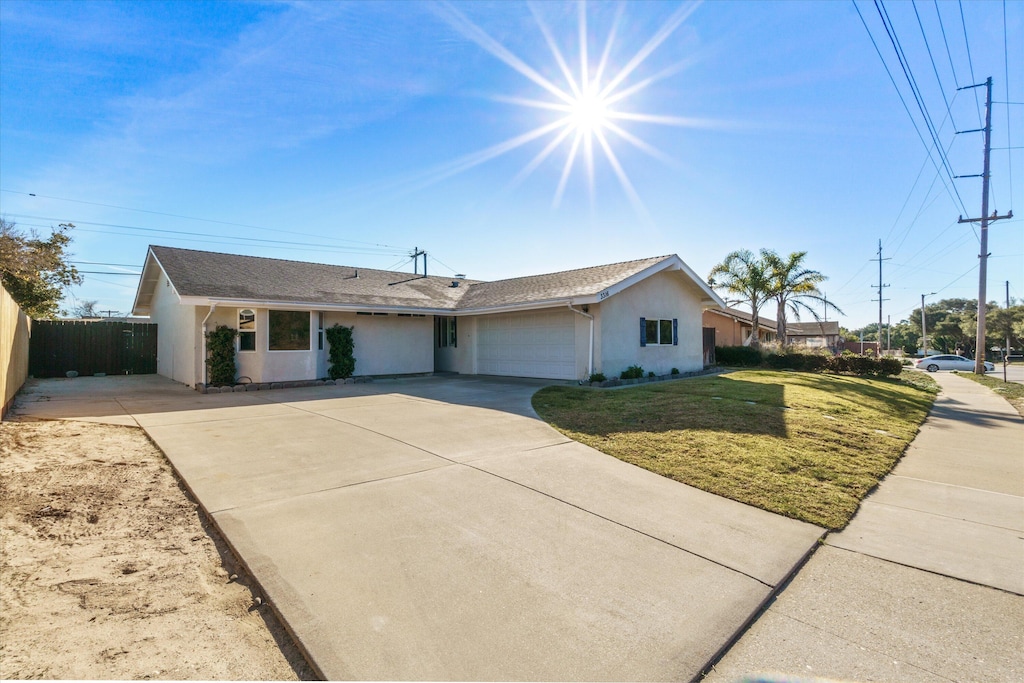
{"points": [[352, 132]]}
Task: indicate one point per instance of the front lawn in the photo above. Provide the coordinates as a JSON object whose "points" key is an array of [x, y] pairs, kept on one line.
{"points": [[803, 445]]}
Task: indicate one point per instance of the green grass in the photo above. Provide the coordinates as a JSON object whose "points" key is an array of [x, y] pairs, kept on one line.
{"points": [[1011, 391], [799, 444]]}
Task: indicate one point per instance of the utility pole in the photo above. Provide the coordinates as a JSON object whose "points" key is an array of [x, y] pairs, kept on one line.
{"points": [[416, 253], [924, 330], [880, 299], [824, 295], [888, 335], [979, 345]]}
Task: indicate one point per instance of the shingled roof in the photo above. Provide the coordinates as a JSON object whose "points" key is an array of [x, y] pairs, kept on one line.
{"points": [[211, 276]]}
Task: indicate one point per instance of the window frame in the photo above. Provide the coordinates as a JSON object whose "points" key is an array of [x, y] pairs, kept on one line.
{"points": [[660, 326], [446, 332], [270, 330], [249, 332]]}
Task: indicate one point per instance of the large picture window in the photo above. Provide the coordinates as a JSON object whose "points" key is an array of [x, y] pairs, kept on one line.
{"points": [[289, 330], [246, 330]]}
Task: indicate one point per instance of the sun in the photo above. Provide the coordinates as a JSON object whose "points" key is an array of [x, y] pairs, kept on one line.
{"points": [[585, 109], [588, 113]]}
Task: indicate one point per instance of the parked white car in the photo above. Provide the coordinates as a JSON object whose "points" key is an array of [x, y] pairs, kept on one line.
{"points": [[947, 362]]}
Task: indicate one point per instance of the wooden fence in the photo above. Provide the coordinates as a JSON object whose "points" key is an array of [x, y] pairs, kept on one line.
{"points": [[92, 347], [15, 327]]}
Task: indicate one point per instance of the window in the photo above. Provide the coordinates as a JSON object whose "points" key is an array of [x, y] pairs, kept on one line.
{"points": [[659, 332], [246, 330], [444, 332], [289, 330]]}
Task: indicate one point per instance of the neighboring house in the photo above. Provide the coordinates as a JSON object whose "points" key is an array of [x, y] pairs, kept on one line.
{"points": [[562, 325], [732, 327], [817, 335]]}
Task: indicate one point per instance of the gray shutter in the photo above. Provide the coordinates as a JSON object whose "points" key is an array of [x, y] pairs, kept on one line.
{"points": [[675, 331], [643, 331]]}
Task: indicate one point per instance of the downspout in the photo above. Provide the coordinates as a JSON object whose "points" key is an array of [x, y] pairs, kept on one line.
{"points": [[213, 307], [590, 369]]}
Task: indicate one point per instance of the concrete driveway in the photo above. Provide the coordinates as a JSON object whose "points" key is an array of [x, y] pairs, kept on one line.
{"points": [[434, 529]]}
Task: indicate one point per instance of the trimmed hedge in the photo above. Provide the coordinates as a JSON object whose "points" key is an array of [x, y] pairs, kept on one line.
{"points": [[846, 363], [220, 359]]}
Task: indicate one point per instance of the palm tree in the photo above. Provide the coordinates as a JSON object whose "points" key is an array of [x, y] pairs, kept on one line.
{"points": [[746, 276], [792, 285]]}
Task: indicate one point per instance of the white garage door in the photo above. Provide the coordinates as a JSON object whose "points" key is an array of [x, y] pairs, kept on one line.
{"points": [[536, 344]]}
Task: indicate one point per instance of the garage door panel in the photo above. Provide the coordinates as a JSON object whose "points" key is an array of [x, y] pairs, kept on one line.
{"points": [[528, 345]]}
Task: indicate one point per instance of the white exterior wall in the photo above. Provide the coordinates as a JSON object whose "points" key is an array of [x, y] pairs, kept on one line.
{"points": [[665, 295], [177, 352], [389, 345]]}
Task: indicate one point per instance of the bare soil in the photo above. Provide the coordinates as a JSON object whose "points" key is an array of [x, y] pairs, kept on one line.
{"points": [[109, 570]]}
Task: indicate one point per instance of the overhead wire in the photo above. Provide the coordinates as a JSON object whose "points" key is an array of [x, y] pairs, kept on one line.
{"points": [[908, 73], [903, 101], [258, 240], [195, 218], [949, 54], [935, 69]]}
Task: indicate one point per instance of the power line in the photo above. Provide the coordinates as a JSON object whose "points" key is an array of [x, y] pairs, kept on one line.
{"points": [[899, 93], [195, 218], [970, 62], [935, 69], [266, 242], [949, 54], [908, 73]]}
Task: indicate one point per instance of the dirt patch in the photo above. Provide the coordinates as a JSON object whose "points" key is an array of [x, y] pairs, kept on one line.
{"points": [[108, 569]]}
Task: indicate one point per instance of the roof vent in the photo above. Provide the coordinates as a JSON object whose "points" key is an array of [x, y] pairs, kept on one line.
{"points": [[455, 283], [461, 276]]}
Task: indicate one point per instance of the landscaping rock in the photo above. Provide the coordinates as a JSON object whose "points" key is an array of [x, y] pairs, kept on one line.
{"points": [[329, 382], [252, 387], [264, 386]]}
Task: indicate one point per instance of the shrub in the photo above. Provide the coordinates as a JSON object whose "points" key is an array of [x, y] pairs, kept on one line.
{"points": [[738, 355], [343, 362], [675, 371], [632, 372], [651, 373], [220, 355], [597, 377]]}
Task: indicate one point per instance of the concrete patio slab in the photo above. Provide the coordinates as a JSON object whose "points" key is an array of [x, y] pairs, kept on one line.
{"points": [[252, 459], [405, 536], [454, 574], [739, 537], [482, 432]]}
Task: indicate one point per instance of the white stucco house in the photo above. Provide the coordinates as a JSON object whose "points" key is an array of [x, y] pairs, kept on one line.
{"points": [[563, 325]]}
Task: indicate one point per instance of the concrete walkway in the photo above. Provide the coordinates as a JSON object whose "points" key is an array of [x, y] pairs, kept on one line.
{"points": [[434, 529], [926, 582]]}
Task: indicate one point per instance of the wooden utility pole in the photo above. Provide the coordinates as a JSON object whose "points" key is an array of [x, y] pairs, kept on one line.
{"points": [[880, 299], [979, 344]]}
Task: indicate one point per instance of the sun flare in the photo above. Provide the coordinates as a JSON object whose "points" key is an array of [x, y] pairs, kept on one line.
{"points": [[588, 106]]}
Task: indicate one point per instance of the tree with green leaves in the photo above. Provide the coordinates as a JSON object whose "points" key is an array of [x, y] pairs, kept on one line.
{"points": [[792, 285], [747, 278], [35, 271]]}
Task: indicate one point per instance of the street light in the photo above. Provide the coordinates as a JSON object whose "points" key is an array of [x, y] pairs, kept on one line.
{"points": [[924, 333]]}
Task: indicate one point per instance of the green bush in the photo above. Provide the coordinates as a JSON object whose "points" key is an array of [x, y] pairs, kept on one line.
{"points": [[343, 362], [738, 355], [790, 359], [675, 371], [651, 373], [220, 355], [632, 372], [597, 377]]}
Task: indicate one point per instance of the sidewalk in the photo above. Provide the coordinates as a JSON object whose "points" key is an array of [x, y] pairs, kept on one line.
{"points": [[927, 581]]}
